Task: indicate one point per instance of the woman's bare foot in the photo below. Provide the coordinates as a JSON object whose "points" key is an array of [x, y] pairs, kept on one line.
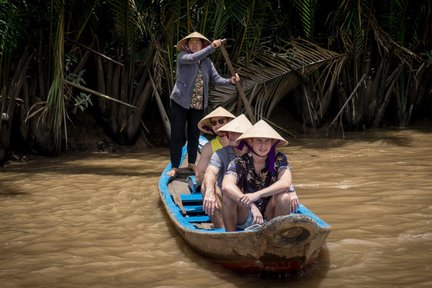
{"points": [[172, 172]]}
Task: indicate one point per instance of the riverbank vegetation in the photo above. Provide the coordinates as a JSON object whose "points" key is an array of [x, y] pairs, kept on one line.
{"points": [[306, 65]]}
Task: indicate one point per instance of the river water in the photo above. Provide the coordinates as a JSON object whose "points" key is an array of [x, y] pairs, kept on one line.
{"points": [[95, 219]]}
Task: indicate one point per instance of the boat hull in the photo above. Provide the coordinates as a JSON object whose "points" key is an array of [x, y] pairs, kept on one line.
{"points": [[286, 243]]}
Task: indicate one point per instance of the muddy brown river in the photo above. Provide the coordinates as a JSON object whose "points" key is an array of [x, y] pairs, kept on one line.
{"points": [[95, 219]]}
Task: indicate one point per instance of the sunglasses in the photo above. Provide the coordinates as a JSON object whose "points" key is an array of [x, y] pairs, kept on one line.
{"points": [[220, 121]]}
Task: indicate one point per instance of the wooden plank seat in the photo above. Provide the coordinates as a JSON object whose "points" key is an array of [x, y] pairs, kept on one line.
{"points": [[193, 208], [187, 198]]}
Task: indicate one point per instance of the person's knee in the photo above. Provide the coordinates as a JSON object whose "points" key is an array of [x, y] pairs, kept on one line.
{"points": [[283, 200], [229, 206]]}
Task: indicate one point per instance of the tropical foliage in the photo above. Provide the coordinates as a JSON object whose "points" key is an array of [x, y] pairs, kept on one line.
{"points": [[344, 65]]}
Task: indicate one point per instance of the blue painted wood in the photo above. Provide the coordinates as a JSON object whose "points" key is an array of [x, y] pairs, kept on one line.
{"points": [[198, 219], [191, 197], [193, 208], [173, 209], [192, 184], [305, 211]]}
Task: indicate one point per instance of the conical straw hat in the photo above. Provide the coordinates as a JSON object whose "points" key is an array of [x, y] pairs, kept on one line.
{"points": [[263, 130], [205, 122], [183, 42], [239, 125]]}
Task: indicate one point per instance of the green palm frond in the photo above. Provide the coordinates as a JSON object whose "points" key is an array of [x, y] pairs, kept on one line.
{"points": [[353, 21], [307, 10], [128, 20], [394, 18], [7, 26], [12, 34], [251, 25], [55, 109], [220, 20]]}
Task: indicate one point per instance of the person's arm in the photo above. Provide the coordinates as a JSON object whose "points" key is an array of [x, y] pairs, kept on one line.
{"points": [[209, 182], [294, 199], [203, 162], [281, 185], [215, 78], [191, 58], [230, 188], [256, 214]]}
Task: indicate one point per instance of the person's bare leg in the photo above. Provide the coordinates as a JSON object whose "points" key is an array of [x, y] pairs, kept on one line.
{"points": [[233, 214], [229, 213], [279, 204], [217, 218]]}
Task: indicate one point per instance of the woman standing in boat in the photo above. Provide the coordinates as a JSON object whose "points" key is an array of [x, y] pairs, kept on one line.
{"points": [[190, 94], [255, 186]]}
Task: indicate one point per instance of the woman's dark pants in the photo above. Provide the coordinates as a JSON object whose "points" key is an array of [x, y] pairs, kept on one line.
{"points": [[184, 126]]}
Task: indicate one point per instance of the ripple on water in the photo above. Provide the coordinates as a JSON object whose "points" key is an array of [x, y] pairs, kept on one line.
{"points": [[97, 221]]}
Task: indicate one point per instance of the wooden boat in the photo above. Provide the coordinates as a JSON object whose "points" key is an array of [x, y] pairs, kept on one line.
{"points": [[285, 243]]}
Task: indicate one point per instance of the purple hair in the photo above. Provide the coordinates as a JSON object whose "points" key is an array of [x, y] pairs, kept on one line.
{"points": [[241, 145], [271, 158]]}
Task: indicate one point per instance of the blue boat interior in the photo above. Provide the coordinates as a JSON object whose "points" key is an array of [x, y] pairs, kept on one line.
{"points": [[191, 200], [184, 200]]}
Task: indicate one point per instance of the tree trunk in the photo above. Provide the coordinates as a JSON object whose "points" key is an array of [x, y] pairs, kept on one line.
{"points": [[9, 103]]}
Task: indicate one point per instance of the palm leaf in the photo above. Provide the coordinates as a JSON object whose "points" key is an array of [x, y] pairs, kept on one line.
{"points": [[271, 76], [307, 9], [55, 110], [128, 20]]}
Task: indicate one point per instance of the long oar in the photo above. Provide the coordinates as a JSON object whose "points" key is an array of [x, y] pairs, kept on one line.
{"points": [[239, 88]]}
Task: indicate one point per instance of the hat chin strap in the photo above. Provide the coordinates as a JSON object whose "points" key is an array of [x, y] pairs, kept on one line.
{"points": [[207, 128]]}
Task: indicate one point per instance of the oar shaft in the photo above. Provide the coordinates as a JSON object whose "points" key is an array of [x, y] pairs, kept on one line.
{"points": [[248, 108]]}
